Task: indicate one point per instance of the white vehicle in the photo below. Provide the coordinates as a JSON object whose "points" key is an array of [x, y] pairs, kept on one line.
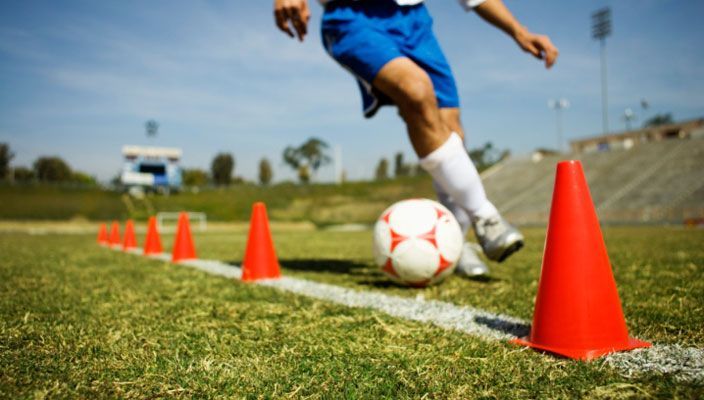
{"points": [[151, 168]]}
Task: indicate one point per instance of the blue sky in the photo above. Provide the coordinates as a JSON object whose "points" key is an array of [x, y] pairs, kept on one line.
{"points": [[78, 79]]}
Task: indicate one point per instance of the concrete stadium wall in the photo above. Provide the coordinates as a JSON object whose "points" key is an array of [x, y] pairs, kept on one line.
{"points": [[658, 182]]}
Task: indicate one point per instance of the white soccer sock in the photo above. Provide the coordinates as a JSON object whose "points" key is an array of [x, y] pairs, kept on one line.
{"points": [[459, 213], [451, 167]]}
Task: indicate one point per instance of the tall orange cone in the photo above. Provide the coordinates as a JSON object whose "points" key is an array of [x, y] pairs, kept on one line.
{"points": [[183, 244], [129, 242], [103, 238], [114, 234], [260, 260], [577, 311], [152, 243]]}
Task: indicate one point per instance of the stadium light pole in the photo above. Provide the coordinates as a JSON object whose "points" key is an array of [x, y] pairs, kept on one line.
{"points": [[338, 164], [644, 105], [601, 28], [559, 105], [628, 116]]}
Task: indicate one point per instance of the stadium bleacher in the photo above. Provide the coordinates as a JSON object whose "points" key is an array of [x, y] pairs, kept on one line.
{"points": [[656, 182]]}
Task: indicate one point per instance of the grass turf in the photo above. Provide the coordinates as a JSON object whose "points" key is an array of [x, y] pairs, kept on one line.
{"points": [[83, 321]]}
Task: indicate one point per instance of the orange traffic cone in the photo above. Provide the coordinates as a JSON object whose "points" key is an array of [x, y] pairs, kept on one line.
{"points": [[103, 238], [577, 311], [183, 244], [260, 260], [114, 239], [152, 243], [129, 242]]}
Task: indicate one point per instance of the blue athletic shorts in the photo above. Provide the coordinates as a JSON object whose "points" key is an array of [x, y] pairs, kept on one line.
{"points": [[364, 35]]}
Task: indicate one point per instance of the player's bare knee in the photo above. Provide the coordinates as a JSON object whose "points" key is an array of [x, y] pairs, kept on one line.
{"points": [[417, 97]]}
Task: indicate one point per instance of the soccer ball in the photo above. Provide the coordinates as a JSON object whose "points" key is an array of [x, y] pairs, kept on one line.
{"points": [[417, 242]]}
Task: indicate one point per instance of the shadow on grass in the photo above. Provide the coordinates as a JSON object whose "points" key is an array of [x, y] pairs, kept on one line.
{"points": [[326, 265], [498, 324], [367, 275], [320, 265], [482, 279]]}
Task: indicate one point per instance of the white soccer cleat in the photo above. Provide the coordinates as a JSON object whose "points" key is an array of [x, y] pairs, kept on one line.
{"points": [[498, 238], [469, 264]]}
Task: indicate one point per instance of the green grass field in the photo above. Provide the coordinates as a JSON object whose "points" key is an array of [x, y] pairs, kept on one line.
{"points": [[82, 321], [322, 204]]}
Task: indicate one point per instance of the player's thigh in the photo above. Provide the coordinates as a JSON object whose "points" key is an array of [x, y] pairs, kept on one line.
{"points": [[405, 83], [451, 119]]}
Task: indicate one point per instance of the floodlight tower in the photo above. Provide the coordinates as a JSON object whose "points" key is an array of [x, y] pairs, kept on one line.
{"points": [[644, 105], [151, 127], [601, 28], [559, 105], [338, 164], [628, 116]]}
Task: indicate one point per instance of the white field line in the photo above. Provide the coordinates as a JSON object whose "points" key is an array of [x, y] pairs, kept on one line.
{"points": [[684, 364]]}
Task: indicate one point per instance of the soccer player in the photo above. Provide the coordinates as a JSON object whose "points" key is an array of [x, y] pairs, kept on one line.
{"points": [[390, 49]]}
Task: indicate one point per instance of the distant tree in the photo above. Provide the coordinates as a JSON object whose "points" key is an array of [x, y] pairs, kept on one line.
{"points": [[382, 170], [83, 178], [265, 172], [307, 158], [486, 156], [151, 128], [195, 177], [6, 155], [221, 168], [658, 119], [52, 169], [23, 174], [417, 170], [400, 169]]}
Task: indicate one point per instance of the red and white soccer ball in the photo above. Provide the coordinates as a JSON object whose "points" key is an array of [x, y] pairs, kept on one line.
{"points": [[417, 242]]}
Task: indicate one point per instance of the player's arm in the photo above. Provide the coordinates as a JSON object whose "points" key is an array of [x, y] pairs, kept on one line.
{"points": [[292, 15], [540, 46]]}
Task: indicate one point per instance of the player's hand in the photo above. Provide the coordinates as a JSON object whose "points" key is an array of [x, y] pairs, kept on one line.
{"points": [[539, 46], [292, 14]]}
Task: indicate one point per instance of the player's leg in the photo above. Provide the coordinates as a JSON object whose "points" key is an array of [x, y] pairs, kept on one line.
{"points": [[450, 165], [443, 155], [441, 151], [469, 263], [411, 89], [450, 117]]}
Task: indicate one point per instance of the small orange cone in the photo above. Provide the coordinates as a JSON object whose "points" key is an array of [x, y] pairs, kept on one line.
{"points": [[152, 243], [129, 242], [183, 244], [577, 311], [114, 234], [260, 260], [103, 238]]}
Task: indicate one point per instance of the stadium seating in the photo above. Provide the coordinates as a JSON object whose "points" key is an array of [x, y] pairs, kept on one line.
{"points": [[650, 183]]}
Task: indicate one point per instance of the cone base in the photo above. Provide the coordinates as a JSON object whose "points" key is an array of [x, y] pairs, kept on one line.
{"points": [[250, 277], [179, 259], [263, 278], [584, 354]]}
